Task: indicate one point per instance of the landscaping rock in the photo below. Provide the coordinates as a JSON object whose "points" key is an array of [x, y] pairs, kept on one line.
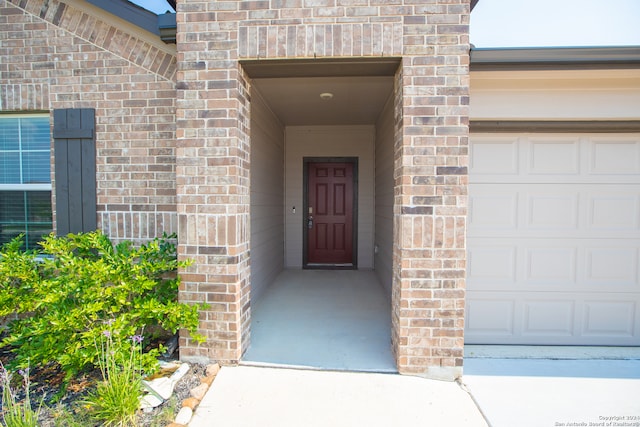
{"points": [[213, 369], [184, 416], [190, 402], [208, 380], [48, 383], [199, 391]]}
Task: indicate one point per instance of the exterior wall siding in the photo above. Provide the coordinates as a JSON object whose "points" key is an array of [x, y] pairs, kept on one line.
{"points": [[384, 193], [329, 141], [54, 56], [430, 157], [267, 197], [550, 95]]}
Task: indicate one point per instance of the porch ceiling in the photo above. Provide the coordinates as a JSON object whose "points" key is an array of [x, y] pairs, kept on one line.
{"points": [[296, 100]]}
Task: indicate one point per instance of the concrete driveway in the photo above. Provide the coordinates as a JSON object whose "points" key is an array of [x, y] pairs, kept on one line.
{"points": [[555, 393]]}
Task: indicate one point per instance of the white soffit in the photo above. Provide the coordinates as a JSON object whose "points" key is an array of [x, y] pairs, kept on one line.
{"points": [[296, 100]]}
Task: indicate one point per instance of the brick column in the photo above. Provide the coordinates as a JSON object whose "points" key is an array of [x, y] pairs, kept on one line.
{"points": [[213, 179], [431, 155]]}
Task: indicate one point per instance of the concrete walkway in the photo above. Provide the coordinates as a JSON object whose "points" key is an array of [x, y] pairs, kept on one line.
{"points": [[248, 396], [508, 392]]}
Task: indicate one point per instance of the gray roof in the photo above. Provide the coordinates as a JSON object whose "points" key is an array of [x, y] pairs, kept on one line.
{"points": [[130, 12], [555, 58]]}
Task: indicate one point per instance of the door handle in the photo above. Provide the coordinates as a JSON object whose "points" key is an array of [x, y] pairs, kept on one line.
{"points": [[310, 222]]}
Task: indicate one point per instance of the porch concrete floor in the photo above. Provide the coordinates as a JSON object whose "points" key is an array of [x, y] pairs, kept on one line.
{"points": [[323, 319]]}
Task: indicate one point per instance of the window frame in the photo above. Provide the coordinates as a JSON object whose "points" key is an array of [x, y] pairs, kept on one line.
{"points": [[21, 187]]}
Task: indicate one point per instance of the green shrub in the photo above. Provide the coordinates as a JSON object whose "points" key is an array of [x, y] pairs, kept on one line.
{"points": [[65, 296]]}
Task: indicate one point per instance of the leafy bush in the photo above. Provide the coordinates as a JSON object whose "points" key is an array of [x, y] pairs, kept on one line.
{"points": [[64, 297]]}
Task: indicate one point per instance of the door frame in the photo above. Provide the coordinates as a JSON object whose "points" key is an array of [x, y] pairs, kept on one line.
{"points": [[305, 208]]}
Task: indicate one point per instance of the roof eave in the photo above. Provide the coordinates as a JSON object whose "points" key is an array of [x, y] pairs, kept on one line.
{"points": [[130, 12], [540, 58], [167, 27]]}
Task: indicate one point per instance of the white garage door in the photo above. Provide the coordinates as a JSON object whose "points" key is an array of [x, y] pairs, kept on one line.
{"points": [[553, 240]]}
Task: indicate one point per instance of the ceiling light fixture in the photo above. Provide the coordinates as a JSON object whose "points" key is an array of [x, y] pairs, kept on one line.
{"points": [[325, 96]]}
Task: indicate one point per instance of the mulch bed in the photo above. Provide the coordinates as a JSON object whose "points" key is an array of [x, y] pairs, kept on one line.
{"points": [[46, 383]]}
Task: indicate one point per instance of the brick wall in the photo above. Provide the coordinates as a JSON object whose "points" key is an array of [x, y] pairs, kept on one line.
{"points": [[173, 141], [54, 55], [430, 156]]}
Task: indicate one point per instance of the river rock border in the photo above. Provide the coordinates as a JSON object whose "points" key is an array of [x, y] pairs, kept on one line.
{"points": [[197, 393]]}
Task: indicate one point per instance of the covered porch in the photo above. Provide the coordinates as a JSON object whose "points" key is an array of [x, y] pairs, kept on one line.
{"points": [[323, 319], [317, 141]]}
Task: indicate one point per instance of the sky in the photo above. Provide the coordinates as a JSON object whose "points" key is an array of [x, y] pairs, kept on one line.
{"points": [[532, 23]]}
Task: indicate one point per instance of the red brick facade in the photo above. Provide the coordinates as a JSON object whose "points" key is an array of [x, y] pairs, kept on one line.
{"points": [[173, 134]]}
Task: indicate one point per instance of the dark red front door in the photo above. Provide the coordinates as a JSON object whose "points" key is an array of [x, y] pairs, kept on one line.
{"points": [[330, 214]]}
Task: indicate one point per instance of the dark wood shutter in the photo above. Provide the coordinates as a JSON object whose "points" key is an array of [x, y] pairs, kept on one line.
{"points": [[75, 170]]}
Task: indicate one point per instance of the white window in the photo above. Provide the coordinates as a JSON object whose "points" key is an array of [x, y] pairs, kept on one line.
{"points": [[25, 178]]}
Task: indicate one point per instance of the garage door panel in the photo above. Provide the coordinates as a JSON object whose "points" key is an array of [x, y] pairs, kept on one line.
{"points": [[610, 209], [550, 266], [554, 240], [494, 265], [554, 156], [612, 268], [615, 156], [529, 264], [551, 209], [487, 316], [492, 209], [515, 265], [554, 210], [614, 318], [578, 159], [548, 317], [560, 319], [495, 156]]}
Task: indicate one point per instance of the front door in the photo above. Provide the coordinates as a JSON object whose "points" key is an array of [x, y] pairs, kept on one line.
{"points": [[329, 214]]}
